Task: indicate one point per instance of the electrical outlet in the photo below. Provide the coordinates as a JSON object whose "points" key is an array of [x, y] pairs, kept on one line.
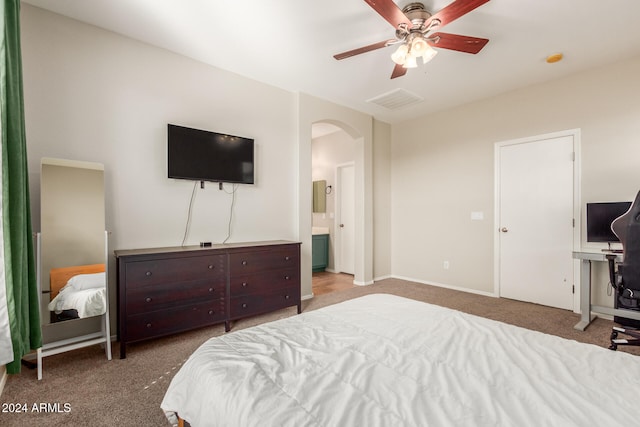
{"points": [[445, 265]]}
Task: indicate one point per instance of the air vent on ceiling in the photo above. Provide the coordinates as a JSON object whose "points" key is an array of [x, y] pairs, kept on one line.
{"points": [[396, 99]]}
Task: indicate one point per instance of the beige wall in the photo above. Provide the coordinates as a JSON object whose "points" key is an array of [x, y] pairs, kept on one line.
{"points": [[93, 95], [443, 166], [381, 200]]}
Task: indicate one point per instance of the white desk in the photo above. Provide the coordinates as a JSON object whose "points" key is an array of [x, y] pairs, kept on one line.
{"points": [[586, 308]]}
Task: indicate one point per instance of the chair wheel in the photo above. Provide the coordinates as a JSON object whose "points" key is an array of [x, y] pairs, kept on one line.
{"points": [[613, 347], [614, 335]]}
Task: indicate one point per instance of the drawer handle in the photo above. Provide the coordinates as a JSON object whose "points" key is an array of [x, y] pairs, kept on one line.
{"points": [[287, 277], [210, 311], [244, 262], [149, 325], [148, 273], [286, 297], [244, 284], [211, 289], [210, 267], [287, 258], [244, 305], [148, 299]]}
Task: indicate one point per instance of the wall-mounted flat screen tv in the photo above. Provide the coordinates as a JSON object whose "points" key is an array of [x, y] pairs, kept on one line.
{"points": [[202, 155], [599, 219]]}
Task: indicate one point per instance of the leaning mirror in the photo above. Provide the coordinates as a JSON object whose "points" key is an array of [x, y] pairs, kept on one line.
{"points": [[72, 249]]}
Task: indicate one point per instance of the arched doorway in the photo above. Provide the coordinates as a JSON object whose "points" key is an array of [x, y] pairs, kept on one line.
{"points": [[359, 127]]}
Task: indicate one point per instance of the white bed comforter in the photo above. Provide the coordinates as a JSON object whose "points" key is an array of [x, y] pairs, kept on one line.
{"points": [[85, 293], [383, 360], [87, 302]]}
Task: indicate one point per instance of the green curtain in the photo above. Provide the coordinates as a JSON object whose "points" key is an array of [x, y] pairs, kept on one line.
{"points": [[19, 261]]}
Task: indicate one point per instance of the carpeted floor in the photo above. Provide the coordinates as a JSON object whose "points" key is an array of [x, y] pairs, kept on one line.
{"points": [[82, 388]]}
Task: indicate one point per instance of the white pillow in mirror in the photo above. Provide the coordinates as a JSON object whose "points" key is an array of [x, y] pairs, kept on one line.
{"points": [[87, 281]]}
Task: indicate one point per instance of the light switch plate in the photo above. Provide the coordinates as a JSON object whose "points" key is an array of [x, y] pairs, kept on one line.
{"points": [[477, 216]]}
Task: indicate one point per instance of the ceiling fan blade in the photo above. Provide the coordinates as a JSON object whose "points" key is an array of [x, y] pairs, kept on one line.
{"points": [[466, 44], [398, 71], [360, 50], [391, 12], [454, 11]]}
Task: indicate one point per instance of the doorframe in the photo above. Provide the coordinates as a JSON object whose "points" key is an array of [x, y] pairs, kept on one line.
{"points": [[577, 225], [338, 235]]}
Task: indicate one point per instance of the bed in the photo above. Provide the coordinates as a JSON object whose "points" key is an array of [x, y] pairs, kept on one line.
{"points": [[384, 360], [77, 291]]}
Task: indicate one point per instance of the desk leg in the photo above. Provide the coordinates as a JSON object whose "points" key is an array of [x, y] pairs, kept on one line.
{"points": [[585, 295]]}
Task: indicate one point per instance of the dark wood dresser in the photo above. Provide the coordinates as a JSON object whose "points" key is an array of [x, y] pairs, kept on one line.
{"points": [[163, 291]]}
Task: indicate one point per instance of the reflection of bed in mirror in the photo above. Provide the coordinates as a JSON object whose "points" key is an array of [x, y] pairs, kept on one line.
{"points": [[77, 292]]}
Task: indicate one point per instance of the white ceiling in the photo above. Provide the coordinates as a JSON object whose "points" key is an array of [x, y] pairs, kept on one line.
{"points": [[290, 44]]}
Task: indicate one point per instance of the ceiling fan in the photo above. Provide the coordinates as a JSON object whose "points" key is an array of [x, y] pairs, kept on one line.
{"points": [[414, 32]]}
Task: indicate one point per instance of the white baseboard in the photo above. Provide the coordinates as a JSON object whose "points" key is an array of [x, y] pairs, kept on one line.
{"points": [[442, 285], [422, 282], [3, 378]]}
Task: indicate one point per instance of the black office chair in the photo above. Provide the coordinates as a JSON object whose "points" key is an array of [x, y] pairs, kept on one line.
{"points": [[626, 280]]}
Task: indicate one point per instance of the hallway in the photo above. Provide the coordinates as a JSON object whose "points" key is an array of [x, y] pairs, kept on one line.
{"points": [[324, 282]]}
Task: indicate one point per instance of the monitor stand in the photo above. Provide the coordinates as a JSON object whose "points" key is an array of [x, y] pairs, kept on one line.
{"points": [[610, 250]]}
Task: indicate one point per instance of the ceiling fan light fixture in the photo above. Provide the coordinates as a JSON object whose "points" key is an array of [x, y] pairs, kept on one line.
{"points": [[410, 62], [428, 54], [414, 26], [400, 55], [419, 46]]}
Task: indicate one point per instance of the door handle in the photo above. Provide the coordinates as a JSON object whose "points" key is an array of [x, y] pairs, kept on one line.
{"points": [[341, 225], [504, 229]]}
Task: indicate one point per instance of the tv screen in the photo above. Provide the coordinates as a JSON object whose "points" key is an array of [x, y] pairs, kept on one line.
{"points": [[202, 155], [599, 219]]}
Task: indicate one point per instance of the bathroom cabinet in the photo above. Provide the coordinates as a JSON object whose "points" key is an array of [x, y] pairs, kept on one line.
{"points": [[319, 252]]}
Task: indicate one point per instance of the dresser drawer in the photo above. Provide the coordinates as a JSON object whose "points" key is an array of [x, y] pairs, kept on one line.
{"points": [[169, 270], [249, 305], [152, 298], [264, 282], [273, 258], [178, 319]]}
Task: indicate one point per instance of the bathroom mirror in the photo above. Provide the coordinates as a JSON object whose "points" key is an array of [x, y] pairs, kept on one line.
{"points": [[319, 196], [72, 250]]}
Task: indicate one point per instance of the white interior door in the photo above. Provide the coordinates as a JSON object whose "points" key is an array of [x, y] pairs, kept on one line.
{"points": [[346, 218], [536, 221]]}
